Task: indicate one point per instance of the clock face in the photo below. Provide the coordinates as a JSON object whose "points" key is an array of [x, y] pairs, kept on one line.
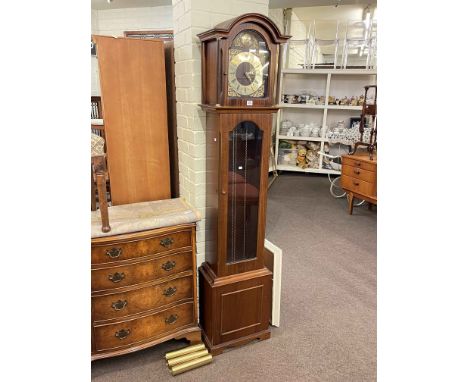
{"points": [[249, 60], [245, 73]]}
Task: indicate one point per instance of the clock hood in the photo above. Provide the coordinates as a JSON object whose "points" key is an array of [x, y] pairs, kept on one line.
{"points": [[224, 28]]}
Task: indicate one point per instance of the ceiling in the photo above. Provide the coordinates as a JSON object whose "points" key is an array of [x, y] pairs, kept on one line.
{"points": [[103, 4], [315, 3]]}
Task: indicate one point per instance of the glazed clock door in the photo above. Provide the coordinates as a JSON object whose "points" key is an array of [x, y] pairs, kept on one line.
{"points": [[249, 59], [250, 67], [245, 147]]}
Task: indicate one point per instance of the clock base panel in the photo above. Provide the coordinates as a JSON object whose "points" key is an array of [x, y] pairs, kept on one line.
{"points": [[235, 309]]}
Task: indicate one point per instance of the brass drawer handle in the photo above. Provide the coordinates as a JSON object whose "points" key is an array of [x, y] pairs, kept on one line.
{"points": [[119, 304], [357, 171], [356, 183], [166, 242], [113, 253], [357, 164], [122, 333], [167, 266], [117, 277], [171, 319], [171, 291]]}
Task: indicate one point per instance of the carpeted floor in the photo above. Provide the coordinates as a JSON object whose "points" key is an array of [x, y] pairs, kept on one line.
{"points": [[328, 306]]}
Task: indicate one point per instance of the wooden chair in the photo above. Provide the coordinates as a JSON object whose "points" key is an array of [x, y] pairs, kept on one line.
{"points": [[99, 172], [368, 113]]}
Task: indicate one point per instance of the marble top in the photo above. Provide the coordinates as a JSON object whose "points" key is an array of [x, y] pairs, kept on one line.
{"points": [[127, 218]]}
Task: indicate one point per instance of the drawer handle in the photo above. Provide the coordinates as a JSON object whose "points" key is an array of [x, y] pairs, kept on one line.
{"points": [[122, 333], [117, 277], [113, 253], [357, 164], [166, 242], [167, 266], [119, 304], [357, 171], [171, 319], [171, 291], [356, 183]]}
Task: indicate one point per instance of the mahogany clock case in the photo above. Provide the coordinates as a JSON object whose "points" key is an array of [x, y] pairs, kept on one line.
{"points": [[235, 286]]}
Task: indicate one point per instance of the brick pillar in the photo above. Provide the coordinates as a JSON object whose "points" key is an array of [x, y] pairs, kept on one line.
{"points": [[191, 17]]}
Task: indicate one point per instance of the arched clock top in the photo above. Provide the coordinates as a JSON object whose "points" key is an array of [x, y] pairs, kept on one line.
{"points": [[224, 28]]}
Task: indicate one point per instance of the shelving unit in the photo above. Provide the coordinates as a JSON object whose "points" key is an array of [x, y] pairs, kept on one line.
{"points": [[326, 82]]}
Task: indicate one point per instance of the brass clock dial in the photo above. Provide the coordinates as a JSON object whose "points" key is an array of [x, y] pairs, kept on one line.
{"points": [[248, 66], [245, 74]]}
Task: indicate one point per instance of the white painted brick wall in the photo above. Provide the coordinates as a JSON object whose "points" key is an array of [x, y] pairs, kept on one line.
{"points": [[95, 88], [191, 17], [276, 15], [114, 22]]}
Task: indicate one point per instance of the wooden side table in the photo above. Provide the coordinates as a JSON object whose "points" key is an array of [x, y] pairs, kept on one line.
{"points": [[359, 178]]}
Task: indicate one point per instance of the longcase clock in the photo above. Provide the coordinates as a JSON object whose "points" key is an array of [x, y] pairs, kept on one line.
{"points": [[239, 70]]}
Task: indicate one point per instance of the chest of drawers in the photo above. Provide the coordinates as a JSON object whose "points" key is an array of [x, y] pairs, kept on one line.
{"points": [[359, 178], [143, 289]]}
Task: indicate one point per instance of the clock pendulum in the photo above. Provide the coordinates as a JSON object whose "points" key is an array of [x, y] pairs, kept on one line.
{"points": [[239, 70]]}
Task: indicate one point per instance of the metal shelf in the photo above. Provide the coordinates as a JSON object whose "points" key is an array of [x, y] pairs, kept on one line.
{"points": [[330, 71], [328, 76], [283, 167], [313, 139]]}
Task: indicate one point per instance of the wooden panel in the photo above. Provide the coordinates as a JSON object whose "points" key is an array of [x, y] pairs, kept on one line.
{"points": [[172, 116], [244, 309], [211, 178], [142, 299], [358, 186], [125, 275], [359, 173], [142, 329], [206, 305], [134, 248], [360, 161], [237, 301], [133, 86], [211, 71]]}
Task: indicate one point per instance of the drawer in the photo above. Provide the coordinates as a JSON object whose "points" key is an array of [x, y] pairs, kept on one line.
{"points": [[142, 299], [346, 160], [138, 247], [358, 186], [144, 271], [143, 329], [359, 173]]}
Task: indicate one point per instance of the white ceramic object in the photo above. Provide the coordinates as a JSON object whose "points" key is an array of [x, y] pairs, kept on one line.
{"points": [[306, 131], [335, 166]]}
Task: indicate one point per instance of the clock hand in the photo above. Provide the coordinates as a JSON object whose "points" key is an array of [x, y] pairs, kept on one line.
{"points": [[249, 74]]}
